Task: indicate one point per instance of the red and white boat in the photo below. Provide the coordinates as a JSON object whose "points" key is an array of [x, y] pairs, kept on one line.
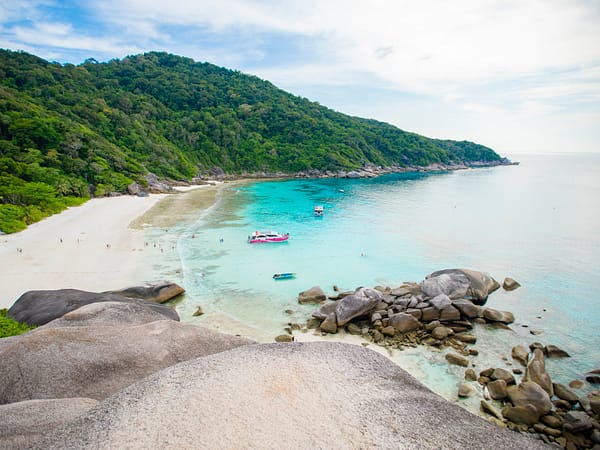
{"points": [[258, 237]]}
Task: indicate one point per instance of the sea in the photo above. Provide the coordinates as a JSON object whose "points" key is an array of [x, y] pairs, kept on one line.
{"points": [[537, 222]]}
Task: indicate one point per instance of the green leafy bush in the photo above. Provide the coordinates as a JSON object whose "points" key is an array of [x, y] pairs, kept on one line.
{"points": [[10, 327]]}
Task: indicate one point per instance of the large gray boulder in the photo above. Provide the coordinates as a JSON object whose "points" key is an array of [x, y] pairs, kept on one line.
{"points": [[108, 314], [309, 395], [536, 372], [467, 308], [481, 284], [528, 392], [40, 307], [313, 295], [158, 291], [454, 285], [358, 304], [97, 361], [404, 322], [24, 423]]}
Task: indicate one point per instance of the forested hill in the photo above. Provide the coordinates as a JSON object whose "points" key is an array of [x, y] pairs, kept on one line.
{"points": [[64, 128]]}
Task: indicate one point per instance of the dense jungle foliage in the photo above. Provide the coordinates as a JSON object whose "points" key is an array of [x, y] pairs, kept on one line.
{"points": [[68, 132]]}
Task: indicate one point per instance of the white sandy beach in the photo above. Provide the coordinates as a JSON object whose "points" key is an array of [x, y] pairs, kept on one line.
{"points": [[82, 260]]}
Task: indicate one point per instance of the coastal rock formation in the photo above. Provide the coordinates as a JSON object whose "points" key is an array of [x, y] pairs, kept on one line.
{"points": [[521, 354], [510, 284], [40, 307], [24, 423], [528, 392], [481, 285], [158, 291], [313, 295], [552, 351], [536, 372], [95, 361], [454, 285], [108, 314], [246, 393], [355, 305]]}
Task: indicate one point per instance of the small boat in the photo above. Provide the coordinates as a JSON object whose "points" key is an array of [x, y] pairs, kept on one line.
{"points": [[258, 237], [319, 210], [284, 276]]}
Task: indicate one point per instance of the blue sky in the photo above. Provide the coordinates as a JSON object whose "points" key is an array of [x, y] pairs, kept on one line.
{"points": [[518, 76]]}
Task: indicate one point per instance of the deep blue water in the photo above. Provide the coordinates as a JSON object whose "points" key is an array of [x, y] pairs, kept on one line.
{"points": [[538, 222]]}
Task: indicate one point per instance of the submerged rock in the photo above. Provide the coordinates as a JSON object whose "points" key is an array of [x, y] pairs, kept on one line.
{"points": [[509, 284], [564, 393], [521, 354], [458, 360], [552, 351], [467, 390]]}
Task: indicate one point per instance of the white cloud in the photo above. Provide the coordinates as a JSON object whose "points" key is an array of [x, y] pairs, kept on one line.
{"points": [[494, 59], [55, 35]]}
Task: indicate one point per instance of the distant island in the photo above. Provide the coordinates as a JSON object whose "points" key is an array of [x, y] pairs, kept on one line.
{"points": [[70, 132]]}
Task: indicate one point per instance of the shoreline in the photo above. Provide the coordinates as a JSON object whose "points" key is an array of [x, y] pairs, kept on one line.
{"points": [[98, 246]]}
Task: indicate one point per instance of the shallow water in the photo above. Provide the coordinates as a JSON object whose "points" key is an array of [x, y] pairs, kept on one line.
{"points": [[537, 222]]}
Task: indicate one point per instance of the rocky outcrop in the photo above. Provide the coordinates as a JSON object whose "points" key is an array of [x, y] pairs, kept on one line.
{"points": [[528, 392], [453, 284], [536, 372], [313, 295], [96, 360], [156, 186], [520, 354], [134, 188], [510, 284], [356, 305], [230, 411], [481, 285], [24, 423], [158, 291], [108, 314], [404, 322], [40, 307]]}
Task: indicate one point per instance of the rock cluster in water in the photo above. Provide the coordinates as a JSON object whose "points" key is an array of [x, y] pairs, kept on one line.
{"points": [[440, 312]]}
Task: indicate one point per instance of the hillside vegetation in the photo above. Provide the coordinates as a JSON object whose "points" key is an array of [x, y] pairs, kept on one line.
{"points": [[68, 132]]}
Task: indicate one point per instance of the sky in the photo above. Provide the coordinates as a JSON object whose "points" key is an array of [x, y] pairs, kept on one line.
{"points": [[518, 76]]}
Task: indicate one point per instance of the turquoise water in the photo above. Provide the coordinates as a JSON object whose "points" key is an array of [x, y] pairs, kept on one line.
{"points": [[538, 222]]}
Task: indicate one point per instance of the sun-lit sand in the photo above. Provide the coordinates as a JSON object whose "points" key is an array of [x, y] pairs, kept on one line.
{"points": [[98, 246]]}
